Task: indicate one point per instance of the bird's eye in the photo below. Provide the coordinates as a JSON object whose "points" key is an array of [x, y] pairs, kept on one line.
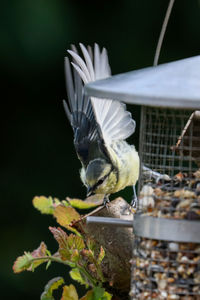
{"points": [[100, 181]]}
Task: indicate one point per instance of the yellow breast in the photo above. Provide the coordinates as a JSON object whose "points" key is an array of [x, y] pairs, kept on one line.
{"points": [[126, 160]]}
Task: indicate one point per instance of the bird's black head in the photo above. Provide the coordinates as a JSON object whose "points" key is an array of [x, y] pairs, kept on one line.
{"points": [[96, 174]]}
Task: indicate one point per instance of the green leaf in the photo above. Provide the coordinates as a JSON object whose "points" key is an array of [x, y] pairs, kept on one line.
{"points": [[69, 293], [26, 262], [88, 254], [23, 262], [100, 294], [60, 236], [43, 204], [46, 297], [101, 255], [91, 244], [75, 256], [48, 264], [69, 246], [88, 296], [41, 251], [107, 296], [65, 215], [76, 275], [78, 203], [97, 293], [74, 245], [75, 242], [52, 285]]}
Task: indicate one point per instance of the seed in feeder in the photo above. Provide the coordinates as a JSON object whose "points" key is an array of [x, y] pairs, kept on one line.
{"points": [[192, 215], [148, 244], [197, 174], [146, 201], [163, 295], [174, 247], [198, 187], [187, 246], [179, 176], [172, 289], [162, 284], [145, 295], [190, 271], [184, 259], [197, 278], [184, 204], [155, 268], [181, 269], [195, 205], [158, 192], [196, 289], [174, 202], [184, 194], [147, 190], [173, 297], [170, 280]]}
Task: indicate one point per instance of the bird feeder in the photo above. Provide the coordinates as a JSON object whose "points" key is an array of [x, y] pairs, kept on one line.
{"points": [[166, 251]]}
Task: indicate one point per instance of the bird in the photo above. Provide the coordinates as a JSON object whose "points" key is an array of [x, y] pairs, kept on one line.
{"points": [[100, 126]]}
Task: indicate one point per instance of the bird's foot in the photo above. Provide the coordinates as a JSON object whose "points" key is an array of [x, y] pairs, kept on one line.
{"points": [[158, 177], [134, 201], [106, 201]]}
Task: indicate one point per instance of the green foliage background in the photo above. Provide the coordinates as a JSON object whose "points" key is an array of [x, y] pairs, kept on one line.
{"points": [[38, 157]]}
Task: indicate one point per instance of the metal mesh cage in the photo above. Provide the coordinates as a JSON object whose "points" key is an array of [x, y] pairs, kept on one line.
{"points": [[166, 270], [161, 129], [170, 156], [166, 258]]}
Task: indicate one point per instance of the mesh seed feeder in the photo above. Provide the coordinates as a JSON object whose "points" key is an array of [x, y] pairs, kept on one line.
{"points": [[166, 252]]}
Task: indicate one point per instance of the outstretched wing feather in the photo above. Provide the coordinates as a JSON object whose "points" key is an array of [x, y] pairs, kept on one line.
{"points": [[96, 122], [80, 112], [114, 121], [118, 127], [88, 62]]}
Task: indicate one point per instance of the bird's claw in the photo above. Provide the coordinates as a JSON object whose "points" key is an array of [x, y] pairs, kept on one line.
{"points": [[106, 201], [134, 202]]}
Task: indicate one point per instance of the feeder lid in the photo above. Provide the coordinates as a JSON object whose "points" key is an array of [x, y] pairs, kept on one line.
{"points": [[175, 84]]}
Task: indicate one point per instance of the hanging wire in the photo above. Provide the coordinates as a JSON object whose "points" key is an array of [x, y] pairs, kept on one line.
{"points": [[162, 33]]}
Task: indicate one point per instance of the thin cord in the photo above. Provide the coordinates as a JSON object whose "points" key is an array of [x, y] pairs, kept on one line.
{"points": [[162, 33]]}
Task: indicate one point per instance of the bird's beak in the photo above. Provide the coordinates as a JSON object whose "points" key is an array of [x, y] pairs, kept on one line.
{"points": [[89, 191]]}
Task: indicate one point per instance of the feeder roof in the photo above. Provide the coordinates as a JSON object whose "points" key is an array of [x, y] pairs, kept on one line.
{"points": [[175, 84]]}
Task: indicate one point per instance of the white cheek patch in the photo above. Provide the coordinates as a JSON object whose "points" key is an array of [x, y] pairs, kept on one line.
{"points": [[82, 175]]}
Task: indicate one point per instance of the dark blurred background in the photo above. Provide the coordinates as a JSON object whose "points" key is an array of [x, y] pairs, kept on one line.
{"points": [[38, 157]]}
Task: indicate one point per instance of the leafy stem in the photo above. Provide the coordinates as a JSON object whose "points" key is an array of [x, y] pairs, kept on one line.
{"points": [[55, 259], [92, 281], [99, 272]]}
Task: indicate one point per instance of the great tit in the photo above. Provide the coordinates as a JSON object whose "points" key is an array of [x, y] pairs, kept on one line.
{"points": [[100, 126]]}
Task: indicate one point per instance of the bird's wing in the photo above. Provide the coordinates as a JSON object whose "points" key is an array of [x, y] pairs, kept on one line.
{"points": [[114, 121], [80, 113]]}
